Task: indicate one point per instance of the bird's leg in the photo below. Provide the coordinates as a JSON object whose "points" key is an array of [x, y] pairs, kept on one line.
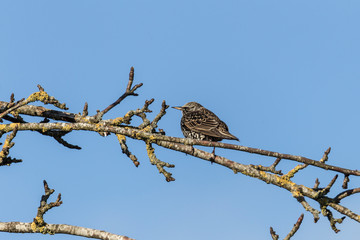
{"points": [[212, 158], [192, 150]]}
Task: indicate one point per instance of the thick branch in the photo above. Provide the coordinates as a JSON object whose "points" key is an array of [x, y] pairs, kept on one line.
{"points": [[266, 177], [138, 134], [39, 111], [301, 159], [20, 227], [41, 96]]}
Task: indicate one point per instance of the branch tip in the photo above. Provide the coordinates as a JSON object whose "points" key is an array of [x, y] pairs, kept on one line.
{"points": [[317, 183], [41, 89], [325, 156], [273, 234], [295, 228], [159, 164], [128, 92], [85, 110], [326, 190], [162, 112], [346, 181], [4, 153], [125, 149]]}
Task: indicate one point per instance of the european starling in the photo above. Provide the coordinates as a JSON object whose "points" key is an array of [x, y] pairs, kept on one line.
{"points": [[200, 123]]}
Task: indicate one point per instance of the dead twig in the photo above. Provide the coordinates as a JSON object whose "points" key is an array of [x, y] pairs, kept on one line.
{"points": [[159, 164], [346, 193], [125, 149], [325, 156], [39, 225], [291, 233], [269, 169], [130, 91], [346, 181], [295, 228], [4, 158], [162, 112], [273, 234]]}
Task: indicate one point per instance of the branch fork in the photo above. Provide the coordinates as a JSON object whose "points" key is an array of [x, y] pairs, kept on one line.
{"points": [[39, 225]]}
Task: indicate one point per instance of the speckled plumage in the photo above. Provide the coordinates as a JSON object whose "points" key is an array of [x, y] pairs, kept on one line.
{"points": [[200, 123]]}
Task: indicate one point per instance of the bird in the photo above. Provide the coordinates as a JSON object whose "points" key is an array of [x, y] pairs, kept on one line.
{"points": [[199, 123]]}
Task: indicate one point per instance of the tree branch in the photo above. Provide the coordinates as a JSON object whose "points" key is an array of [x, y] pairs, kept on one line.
{"points": [[40, 226], [148, 133], [4, 159], [291, 233], [20, 227], [139, 134], [129, 91]]}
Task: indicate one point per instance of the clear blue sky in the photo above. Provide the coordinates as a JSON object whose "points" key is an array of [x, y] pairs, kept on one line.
{"points": [[284, 75]]}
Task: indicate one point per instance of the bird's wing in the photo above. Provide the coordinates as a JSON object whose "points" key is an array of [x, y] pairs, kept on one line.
{"points": [[203, 123], [208, 124]]}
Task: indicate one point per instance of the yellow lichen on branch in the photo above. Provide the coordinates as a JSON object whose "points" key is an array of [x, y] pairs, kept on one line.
{"points": [[38, 96], [293, 171], [159, 164]]}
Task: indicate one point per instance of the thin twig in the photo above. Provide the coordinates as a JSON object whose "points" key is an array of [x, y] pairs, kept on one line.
{"points": [[4, 158], [293, 171], [346, 181], [317, 183], [159, 164], [273, 234], [326, 190], [162, 112], [17, 105], [326, 212], [60, 140], [295, 228], [269, 169], [85, 110], [125, 149], [325, 156], [346, 193], [39, 225], [129, 91], [307, 207]]}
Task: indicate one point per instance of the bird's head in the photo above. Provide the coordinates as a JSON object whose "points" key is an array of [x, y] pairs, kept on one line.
{"points": [[190, 107]]}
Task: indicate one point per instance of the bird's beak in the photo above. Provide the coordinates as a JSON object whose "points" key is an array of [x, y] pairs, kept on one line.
{"points": [[178, 108]]}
